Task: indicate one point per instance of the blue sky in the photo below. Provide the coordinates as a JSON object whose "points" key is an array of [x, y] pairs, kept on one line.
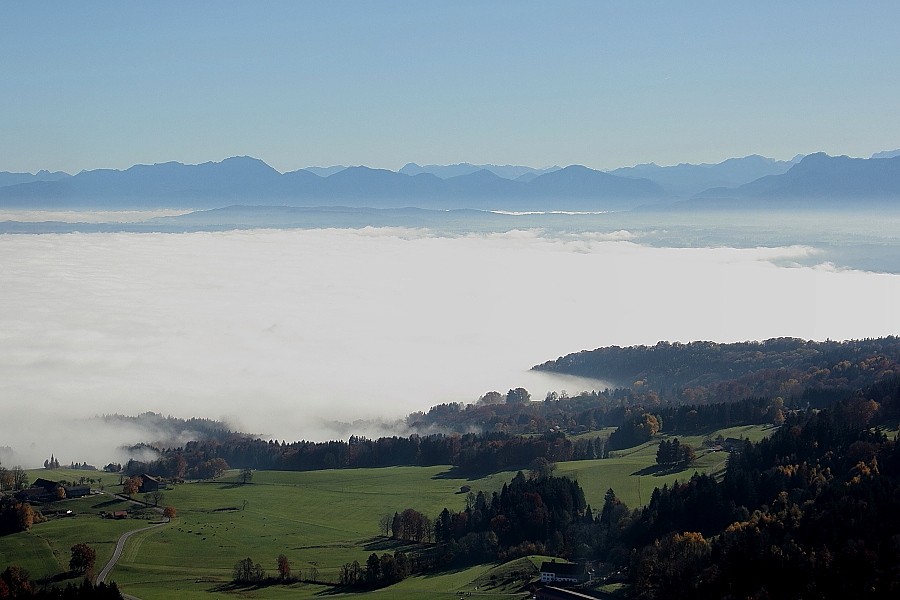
{"points": [[606, 84]]}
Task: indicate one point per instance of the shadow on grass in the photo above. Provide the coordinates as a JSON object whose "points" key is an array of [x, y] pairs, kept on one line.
{"points": [[108, 503], [384, 543], [660, 470], [250, 587], [450, 570], [453, 473], [65, 576]]}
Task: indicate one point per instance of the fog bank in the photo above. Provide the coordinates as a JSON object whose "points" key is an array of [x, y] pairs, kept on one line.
{"points": [[281, 332]]}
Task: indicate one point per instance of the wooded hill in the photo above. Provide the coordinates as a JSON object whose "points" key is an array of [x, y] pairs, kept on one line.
{"points": [[712, 372], [810, 512]]}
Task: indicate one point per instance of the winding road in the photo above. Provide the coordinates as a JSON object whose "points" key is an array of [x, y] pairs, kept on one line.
{"points": [[120, 545]]}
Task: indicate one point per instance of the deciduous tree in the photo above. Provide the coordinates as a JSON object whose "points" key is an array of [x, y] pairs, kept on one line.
{"points": [[246, 474], [83, 557], [518, 396], [284, 566], [131, 486], [19, 477]]}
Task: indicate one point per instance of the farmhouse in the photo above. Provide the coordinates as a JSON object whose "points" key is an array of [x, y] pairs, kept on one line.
{"points": [[733, 444], [77, 491], [151, 484], [44, 490], [554, 572], [32, 494]]}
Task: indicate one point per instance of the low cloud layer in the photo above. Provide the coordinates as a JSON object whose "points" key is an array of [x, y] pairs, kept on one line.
{"points": [[282, 331]]}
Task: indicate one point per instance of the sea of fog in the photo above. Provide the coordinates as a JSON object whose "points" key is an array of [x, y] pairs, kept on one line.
{"points": [[296, 333]]}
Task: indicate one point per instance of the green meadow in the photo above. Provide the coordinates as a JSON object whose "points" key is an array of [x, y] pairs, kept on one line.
{"points": [[318, 519]]}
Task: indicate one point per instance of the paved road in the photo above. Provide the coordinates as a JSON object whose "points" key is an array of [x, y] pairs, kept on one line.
{"points": [[120, 545]]}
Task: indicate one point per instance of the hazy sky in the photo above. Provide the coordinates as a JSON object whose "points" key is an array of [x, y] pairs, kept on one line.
{"points": [[281, 332], [109, 84]]}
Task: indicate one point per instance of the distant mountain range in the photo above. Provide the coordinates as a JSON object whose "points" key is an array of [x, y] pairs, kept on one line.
{"points": [[7, 178], [687, 180], [248, 180], [735, 183], [818, 179], [518, 173]]}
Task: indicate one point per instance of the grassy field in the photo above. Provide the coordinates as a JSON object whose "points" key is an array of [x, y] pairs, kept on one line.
{"points": [[319, 520]]}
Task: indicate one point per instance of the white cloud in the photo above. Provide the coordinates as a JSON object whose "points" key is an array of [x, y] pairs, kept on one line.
{"points": [[280, 331]]}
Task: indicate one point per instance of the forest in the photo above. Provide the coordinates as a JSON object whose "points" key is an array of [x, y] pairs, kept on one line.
{"points": [[808, 512], [711, 372]]}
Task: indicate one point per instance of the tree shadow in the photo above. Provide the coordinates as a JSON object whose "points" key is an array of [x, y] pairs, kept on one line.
{"points": [[660, 470], [108, 503], [453, 473], [384, 543]]}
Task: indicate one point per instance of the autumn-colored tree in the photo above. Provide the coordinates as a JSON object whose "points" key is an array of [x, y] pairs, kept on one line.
{"points": [[284, 566], [83, 558], [213, 468], [18, 582], [131, 486], [179, 466], [647, 427], [25, 515], [60, 493], [686, 454], [169, 512]]}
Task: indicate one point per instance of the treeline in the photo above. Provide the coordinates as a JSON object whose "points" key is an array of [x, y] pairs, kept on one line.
{"points": [[385, 570], [472, 454], [586, 411], [16, 582], [704, 372], [641, 423]]}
